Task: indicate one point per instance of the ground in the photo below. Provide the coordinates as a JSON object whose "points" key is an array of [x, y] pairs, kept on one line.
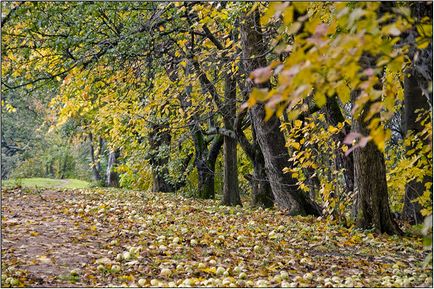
{"points": [[102, 238]]}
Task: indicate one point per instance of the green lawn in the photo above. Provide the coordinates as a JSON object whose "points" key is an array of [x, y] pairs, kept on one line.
{"points": [[46, 183]]}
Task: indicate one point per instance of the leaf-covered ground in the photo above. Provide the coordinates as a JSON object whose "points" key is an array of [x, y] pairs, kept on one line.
{"points": [[104, 238]]}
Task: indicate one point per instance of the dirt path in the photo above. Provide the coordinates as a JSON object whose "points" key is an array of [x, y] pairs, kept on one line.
{"points": [[43, 243]]}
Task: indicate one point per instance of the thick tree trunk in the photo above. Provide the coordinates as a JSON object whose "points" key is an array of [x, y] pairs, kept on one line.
{"points": [[262, 194], [418, 77], [413, 101], [285, 189], [373, 201], [159, 141], [270, 138], [205, 159], [372, 207], [231, 195], [112, 177], [205, 164], [206, 180], [159, 183], [227, 109]]}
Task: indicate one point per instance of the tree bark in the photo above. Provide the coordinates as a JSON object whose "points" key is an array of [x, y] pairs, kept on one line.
{"points": [[227, 109], [95, 172], [334, 116], [112, 178], [262, 196], [284, 187], [205, 164], [159, 141], [204, 158], [372, 207], [231, 194], [270, 138], [413, 101], [417, 76]]}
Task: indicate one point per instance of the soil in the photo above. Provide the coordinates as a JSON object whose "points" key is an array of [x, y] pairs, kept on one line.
{"points": [[42, 241]]}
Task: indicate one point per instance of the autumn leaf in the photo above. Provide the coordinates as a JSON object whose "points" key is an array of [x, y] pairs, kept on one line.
{"points": [[261, 75]]}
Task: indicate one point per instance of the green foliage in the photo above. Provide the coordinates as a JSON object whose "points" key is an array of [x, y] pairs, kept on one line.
{"points": [[54, 157], [135, 175]]}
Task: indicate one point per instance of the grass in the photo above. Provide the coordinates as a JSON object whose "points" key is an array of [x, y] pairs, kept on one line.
{"points": [[46, 183]]}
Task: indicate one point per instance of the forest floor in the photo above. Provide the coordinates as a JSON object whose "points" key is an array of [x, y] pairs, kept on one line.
{"points": [[102, 238]]}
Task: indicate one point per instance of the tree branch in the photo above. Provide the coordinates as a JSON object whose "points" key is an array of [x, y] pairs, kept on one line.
{"points": [[221, 131], [214, 150], [207, 85], [212, 38], [242, 139]]}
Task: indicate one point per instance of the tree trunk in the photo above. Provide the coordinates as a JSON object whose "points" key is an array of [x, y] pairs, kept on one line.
{"points": [[159, 159], [112, 178], [413, 100], [159, 183], [95, 172], [205, 164], [372, 207], [205, 174], [418, 76], [262, 195], [231, 195], [334, 116], [270, 138], [284, 187], [205, 159]]}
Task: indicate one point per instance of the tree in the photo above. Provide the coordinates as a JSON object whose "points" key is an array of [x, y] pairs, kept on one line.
{"points": [[261, 189], [112, 177], [417, 99], [226, 106], [372, 207], [270, 138], [96, 164]]}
